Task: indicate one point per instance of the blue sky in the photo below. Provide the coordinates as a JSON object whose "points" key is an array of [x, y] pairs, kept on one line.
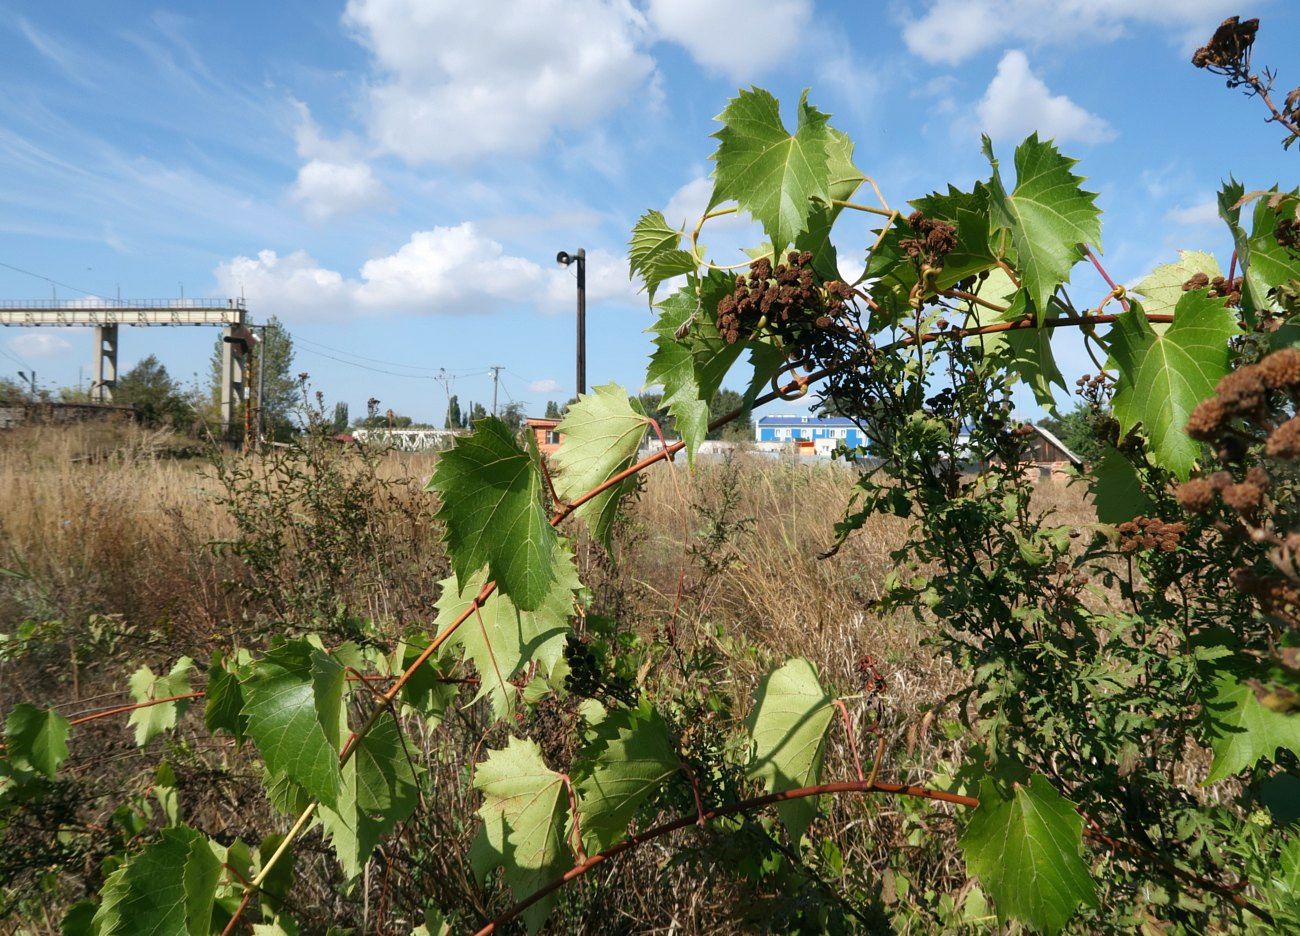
{"points": [[393, 178]]}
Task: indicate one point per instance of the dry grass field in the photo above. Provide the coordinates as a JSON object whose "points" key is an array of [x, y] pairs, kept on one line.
{"points": [[111, 556]]}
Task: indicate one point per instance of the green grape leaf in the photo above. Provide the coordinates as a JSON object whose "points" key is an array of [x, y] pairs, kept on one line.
{"points": [[379, 790], [787, 726], [845, 178], [293, 700], [224, 710], [491, 503], [1242, 730], [169, 887], [602, 433], [526, 814], [1048, 214], [36, 739], [1026, 852], [79, 920], [766, 170], [691, 368], [1163, 377], [427, 692], [152, 720], [1116, 489], [1026, 352], [655, 252], [500, 639], [628, 758], [1264, 263], [1163, 286]]}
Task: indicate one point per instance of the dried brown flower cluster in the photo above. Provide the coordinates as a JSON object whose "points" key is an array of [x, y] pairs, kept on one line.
{"points": [[785, 300], [1287, 231], [1228, 50], [933, 242], [1220, 287], [1242, 409], [1150, 533]]}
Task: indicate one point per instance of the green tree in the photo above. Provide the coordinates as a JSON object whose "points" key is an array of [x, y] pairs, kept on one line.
{"points": [[553, 410], [725, 401], [157, 398], [339, 424], [454, 419], [476, 412], [1079, 430]]}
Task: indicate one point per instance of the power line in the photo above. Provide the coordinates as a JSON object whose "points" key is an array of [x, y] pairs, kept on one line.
{"points": [[362, 357], [54, 282]]}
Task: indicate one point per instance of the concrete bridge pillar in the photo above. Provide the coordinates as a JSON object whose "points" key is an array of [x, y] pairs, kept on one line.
{"points": [[103, 374]]}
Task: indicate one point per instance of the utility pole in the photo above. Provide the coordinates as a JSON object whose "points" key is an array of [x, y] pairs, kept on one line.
{"points": [[261, 388], [564, 258], [496, 375], [31, 379], [446, 380]]}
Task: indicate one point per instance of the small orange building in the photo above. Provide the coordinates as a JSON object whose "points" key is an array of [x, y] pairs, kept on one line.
{"points": [[544, 434]]}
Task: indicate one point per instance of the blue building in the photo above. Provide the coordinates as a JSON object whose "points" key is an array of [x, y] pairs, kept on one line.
{"points": [[824, 432]]}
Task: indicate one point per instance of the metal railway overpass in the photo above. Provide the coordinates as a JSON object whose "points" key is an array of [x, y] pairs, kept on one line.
{"points": [[107, 316]]}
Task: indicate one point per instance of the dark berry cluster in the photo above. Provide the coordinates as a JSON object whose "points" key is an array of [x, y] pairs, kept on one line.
{"points": [[1220, 287], [786, 300], [933, 242], [1150, 533], [588, 678], [1228, 51]]}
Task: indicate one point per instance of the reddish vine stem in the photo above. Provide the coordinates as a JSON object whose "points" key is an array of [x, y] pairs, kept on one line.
{"points": [[848, 732], [1114, 287], [758, 802]]}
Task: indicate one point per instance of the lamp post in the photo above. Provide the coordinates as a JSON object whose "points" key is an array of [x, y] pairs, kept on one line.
{"points": [[564, 258]]}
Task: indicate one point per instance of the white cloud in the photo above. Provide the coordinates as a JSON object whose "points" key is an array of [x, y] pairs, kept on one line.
{"points": [[547, 385], [738, 38], [951, 31], [330, 189], [39, 344], [443, 271], [1017, 102], [1205, 211], [459, 82]]}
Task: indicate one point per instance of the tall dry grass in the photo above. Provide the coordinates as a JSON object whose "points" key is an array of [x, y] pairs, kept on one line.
{"points": [[102, 524]]}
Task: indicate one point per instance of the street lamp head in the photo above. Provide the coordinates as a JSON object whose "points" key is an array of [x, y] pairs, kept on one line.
{"points": [[564, 258]]}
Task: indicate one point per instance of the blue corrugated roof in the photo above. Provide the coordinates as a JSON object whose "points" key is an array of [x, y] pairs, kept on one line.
{"points": [[806, 420]]}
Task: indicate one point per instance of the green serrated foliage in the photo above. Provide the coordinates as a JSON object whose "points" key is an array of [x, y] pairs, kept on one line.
{"points": [[628, 758], [1048, 214], [492, 507], [769, 172], [1025, 352], [152, 720], [787, 727], [1163, 286], [1263, 262], [526, 814], [36, 739], [224, 708], [691, 368], [428, 692], [1116, 489], [1163, 376], [1242, 730], [500, 639], [379, 790], [601, 435], [655, 252], [293, 700], [168, 888], [845, 179], [1025, 850]]}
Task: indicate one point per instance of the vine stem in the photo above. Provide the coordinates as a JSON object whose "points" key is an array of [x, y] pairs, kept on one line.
{"points": [[758, 802], [1114, 287]]}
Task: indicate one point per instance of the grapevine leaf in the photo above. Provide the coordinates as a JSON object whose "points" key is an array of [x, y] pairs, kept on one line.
{"points": [[1049, 216], [427, 691], [1025, 851], [79, 920], [1242, 730], [655, 252], [1163, 286], [845, 178], [293, 700], [626, 761], [1116, 489], [169, 887], [379, 790], [36, 739], [787, 726], [525, 808], [691, 368], [500, 639], [1026, 352], [491, 503], [225, 701], [1264, 262], [602, 433], [152, 720], [767, 171], [1162, 377]]}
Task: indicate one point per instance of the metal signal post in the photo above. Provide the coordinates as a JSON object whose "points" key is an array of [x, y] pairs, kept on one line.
{"points": [[565, 258]]}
